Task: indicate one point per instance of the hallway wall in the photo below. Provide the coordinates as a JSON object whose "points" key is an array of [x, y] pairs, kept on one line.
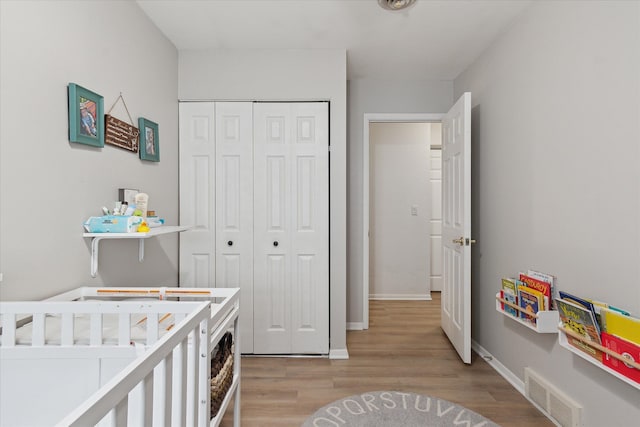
{"points": [[400, 210]]}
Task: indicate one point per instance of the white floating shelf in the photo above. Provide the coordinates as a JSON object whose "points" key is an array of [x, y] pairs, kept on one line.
{"points": [[156, 231], [546, 323], [563, 341]]}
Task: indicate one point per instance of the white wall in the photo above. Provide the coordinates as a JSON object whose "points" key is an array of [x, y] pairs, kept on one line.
{"points": [[379, 96], [288, 75], [556, 181], [399, 240], [49, 186]]}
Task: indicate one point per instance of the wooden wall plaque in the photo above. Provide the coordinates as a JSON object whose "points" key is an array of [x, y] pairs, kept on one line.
{"points": [[121, 134]]}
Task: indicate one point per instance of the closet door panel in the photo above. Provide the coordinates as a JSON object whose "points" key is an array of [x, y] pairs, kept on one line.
{"points": [[275, 197], [234, 208], [197, 188], [272, 224], [275, 314], [310, 228], [230, 266]]}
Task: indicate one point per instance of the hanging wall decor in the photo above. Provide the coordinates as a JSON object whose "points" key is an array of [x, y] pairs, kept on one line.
{"points": [[120, 133], [149, 140], [86, 116]]}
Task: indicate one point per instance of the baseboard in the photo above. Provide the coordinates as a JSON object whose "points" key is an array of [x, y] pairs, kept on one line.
{"points": [[406, 297], [355, 326], [511, 378], [516, 382], [338, 353]]}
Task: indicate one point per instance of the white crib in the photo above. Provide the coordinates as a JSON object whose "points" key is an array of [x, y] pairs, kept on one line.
{"points": [[105, 356]]}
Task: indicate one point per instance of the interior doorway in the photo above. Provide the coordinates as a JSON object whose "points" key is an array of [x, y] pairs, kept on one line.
{"points": [[409, 205]]}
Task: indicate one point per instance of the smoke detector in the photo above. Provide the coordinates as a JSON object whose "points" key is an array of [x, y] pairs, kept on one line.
{"points": [[395, 4]]}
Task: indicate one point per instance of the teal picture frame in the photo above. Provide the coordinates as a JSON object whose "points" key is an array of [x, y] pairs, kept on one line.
{"points": [[86, 116], [149, 140]]}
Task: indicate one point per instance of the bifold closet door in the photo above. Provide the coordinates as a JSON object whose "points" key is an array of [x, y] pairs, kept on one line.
{"points": [[234, 208], [291, 228], [197, 194]]}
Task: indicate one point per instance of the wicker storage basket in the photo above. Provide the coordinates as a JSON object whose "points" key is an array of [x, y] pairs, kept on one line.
{"points": [[221, 372]]}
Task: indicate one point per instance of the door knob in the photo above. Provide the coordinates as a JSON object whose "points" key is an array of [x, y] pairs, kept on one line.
{"points": [[459, 241], [230, 243], [470, 241], [275, 243]]}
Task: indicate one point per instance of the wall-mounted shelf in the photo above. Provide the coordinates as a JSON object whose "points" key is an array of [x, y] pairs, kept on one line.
{"points": [[97, 237], [546, 321], [564, 342]]}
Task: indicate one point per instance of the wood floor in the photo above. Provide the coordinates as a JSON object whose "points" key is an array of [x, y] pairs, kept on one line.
{"points": [[403, 350]]}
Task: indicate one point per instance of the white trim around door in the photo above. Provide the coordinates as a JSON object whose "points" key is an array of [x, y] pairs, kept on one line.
{"points": [[368, 119]]}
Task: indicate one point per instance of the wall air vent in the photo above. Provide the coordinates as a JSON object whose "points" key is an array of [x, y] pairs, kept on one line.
{"points": [[556, 405]]}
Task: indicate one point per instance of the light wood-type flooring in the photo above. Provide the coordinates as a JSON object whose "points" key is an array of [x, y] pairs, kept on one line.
{"points": [[404, 349]]}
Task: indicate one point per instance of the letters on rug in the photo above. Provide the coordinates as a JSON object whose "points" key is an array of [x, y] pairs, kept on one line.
{"points": [[395, 409]]}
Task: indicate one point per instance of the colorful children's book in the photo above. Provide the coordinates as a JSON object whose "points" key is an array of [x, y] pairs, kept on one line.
{"points": [[580, 320], [531, 301], [510, 294], [547, 278], [599, 304], [627, 350], [543, 287], [584, 303], [542, 276], [625, 327]]}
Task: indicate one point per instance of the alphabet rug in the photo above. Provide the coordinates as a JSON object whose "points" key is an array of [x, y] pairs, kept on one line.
{"points": [[395, 409]]}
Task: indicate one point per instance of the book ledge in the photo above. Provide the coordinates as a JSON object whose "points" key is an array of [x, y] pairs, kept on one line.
{"points": [[546, 321], [562, 339], [599, 347]]}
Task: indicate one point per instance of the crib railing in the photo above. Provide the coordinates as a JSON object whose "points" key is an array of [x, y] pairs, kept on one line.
{"points": [[161, 404], [14, 315], [175, 401]]}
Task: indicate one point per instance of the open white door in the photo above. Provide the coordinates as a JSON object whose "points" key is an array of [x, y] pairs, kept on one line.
{"points": [[456, 226]]}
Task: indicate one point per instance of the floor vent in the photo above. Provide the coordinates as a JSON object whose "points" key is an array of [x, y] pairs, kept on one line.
{"points": [[555, 404]]}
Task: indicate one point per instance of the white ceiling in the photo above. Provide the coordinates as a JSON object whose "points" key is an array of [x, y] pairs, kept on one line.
{"points": [[430, 40]]}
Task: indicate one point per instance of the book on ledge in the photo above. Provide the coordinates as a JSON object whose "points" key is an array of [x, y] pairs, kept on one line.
{"points": [[510, 294], [543, 287], [581, 321], [547, 278], [616, 323], [626, 349], [531, 301], [565, 296]]}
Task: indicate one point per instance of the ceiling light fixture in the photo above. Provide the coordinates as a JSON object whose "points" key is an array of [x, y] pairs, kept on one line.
{"points": [[395, 4]]}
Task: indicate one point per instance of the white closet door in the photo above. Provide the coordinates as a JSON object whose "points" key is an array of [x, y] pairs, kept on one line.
{"points": [[310, 228], [271, 224], [197, 200], [234, 208], [291, 281]]}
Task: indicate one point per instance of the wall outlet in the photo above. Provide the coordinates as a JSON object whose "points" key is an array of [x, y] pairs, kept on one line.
{"points": [[414, 210]]}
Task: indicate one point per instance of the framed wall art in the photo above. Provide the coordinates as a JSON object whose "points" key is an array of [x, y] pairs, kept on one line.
{"points": [[149, 140], [86, 116]]}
